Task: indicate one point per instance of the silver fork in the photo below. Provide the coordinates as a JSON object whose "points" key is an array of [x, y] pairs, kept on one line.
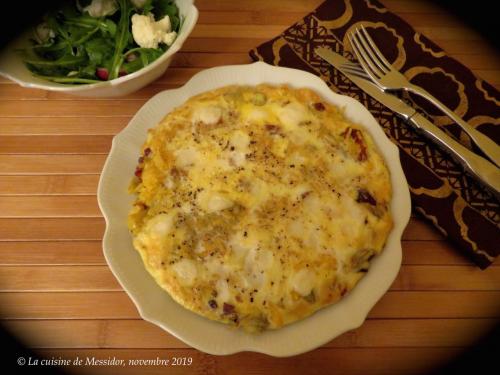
{"points": [[386, 77]]}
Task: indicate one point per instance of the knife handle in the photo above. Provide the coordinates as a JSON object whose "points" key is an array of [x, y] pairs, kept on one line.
{"points": [[487, 145], [477, 166]]}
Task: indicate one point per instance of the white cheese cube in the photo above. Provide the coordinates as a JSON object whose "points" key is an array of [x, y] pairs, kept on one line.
{"points": [[303, 281], [186, 157], [218, 203], [186, 271], [208, 115], [148, 33], [101, 8]]}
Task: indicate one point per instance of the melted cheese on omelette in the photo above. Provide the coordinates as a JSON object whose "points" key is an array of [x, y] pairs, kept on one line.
{"points": [[257, 206]]}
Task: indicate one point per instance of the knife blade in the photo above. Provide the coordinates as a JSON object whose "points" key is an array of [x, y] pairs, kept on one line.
{"points": [[480, 168]]}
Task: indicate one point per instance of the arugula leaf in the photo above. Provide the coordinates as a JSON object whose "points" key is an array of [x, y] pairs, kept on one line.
{"points": [[78, 36], [88, 71], [47, 47], [85, 21], [53, 20], [161, 8], [147, 7], [66, 61], [59, 67], [66, 79], [108, 26], [146, 57], [121, 38], [133, 66], [175, 22], [99, 49]]}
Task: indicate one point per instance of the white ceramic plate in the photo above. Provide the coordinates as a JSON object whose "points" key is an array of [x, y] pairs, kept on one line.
{"points": [[156, 306]]}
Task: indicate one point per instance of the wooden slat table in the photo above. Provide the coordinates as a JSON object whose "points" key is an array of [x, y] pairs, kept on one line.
{"points": [[58, 295]]}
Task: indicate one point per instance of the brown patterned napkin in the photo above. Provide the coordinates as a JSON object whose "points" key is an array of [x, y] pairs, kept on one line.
{"points": [[457, 205]]}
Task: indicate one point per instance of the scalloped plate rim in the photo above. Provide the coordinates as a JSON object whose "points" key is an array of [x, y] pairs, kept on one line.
{"points": [[357, 317]]}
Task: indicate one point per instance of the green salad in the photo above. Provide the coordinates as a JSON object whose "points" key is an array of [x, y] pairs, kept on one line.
{"points": [[100, 40]]}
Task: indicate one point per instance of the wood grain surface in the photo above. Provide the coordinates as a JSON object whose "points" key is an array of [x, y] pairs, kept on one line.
{"points": [[59, 297]]}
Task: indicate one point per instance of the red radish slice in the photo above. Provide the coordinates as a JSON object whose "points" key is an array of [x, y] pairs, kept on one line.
{"points": [[102, 73]]}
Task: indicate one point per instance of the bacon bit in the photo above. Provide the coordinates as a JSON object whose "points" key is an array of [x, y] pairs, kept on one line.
{"points": [[357, 137], [212, 303], [273, 129], [141, 159], [362, 156], [365, 197], [227, 308], [147, 151], [138, 172], [142, 205], [343, 291], [319, 107]]}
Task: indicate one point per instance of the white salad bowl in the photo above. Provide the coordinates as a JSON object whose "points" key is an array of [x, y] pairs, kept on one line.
{"points": [[156, 306], [13, 67]]}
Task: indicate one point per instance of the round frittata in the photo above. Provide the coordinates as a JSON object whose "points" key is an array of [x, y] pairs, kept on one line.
{"points": [[258, 205]]}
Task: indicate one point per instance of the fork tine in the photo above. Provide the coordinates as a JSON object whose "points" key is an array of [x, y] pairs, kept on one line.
{"points": [[362, 58], [355, 72], [358, 55], [375, 49], [353, 66], [356, 36], [369, 51]]}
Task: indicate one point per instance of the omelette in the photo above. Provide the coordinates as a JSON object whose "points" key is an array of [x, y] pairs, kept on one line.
{"points": [[256, 206]]}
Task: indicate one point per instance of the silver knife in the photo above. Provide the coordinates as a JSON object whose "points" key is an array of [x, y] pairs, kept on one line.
{"points": [[477, 166]]}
